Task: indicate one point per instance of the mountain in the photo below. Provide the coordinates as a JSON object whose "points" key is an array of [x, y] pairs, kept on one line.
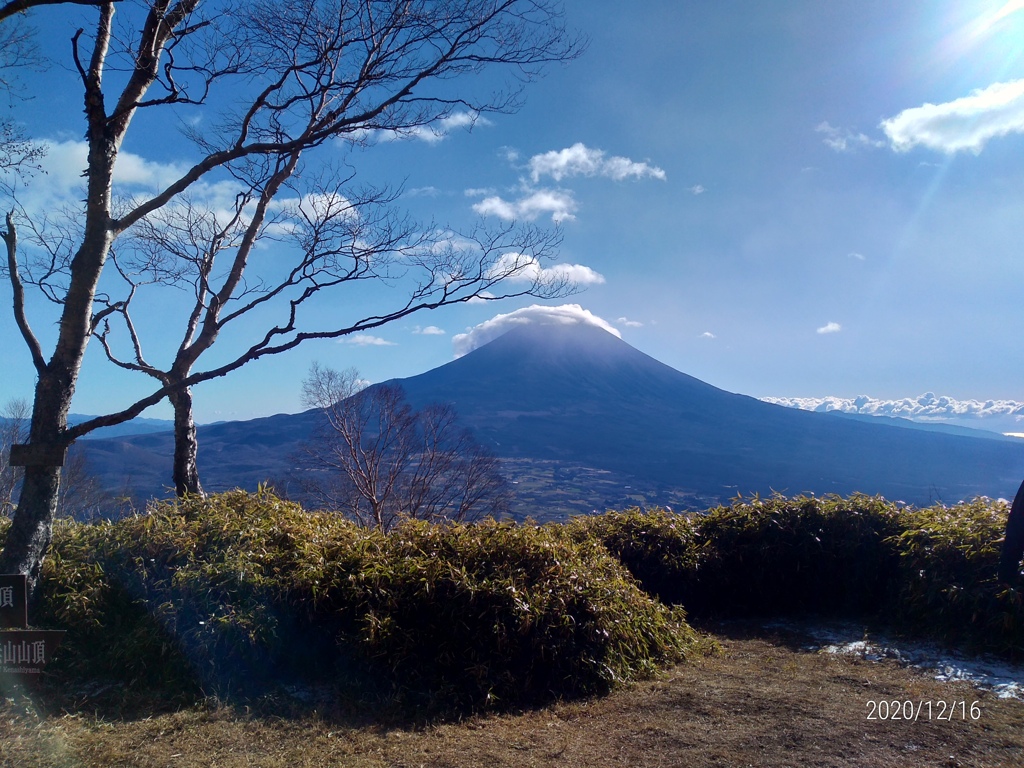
{"points": [[232, 454], [137, 426], [578, 393], [584, 421], [951, 428]]}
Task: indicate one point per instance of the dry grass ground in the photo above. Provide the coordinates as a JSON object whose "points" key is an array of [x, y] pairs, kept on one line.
{"points": [[762, 702]]}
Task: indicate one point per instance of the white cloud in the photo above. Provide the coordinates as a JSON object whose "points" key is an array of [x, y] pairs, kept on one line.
{"points": [[430, 330], [365, 340], [62, 188], [698, 189], [482, 298], [65, 162], [529, 269], [559, 203], [924, 407], [857, 256], [962, 124], [566, 314], [580, 160], [428, 191], [845, 140], [62, 181], [317, 205], [435, 132], [136, 171], [708, 335], [630, 323], [440, 129], [830, 328]]}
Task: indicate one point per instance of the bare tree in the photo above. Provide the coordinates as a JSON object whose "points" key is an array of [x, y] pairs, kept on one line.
{"points": [[291, 78], [18, 154], [336, 241], [13, 429], [376, 459], [452, 477], [81, 495]]}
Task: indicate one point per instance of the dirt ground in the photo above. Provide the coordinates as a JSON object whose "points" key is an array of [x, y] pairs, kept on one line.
{"points": [[763, 702]]}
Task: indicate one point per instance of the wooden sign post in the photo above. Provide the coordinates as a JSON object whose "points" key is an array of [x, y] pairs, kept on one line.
{"points": [[37, 455], [23, 651]]}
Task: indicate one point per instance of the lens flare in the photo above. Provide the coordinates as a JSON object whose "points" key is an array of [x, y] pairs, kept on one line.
{"points": [[1011, 7]]}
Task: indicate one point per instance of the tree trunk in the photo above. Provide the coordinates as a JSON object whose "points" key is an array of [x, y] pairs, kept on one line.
{"points": [[28, 539], [186, 445], [1013, 543]]}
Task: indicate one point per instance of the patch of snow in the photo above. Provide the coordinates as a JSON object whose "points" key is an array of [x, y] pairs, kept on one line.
{"points": [[1001, 677]]}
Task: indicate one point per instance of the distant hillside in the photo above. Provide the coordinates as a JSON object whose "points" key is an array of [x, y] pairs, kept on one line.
{"points": [[232, 454], [137, 426], [587, 421], [927, 426]]}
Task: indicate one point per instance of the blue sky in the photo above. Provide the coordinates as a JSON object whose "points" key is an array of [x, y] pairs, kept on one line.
{"points": [[794, 199]]}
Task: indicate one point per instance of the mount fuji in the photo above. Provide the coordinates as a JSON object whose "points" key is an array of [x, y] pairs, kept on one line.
{"points": [[584, 420]]}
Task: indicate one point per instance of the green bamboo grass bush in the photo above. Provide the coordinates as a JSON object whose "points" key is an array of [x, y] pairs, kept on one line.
{"points": [[238, 590], [194, 589], [930, 572], [111, 632], [492, 614], [947, 584], [797, 555], [658, 547]]}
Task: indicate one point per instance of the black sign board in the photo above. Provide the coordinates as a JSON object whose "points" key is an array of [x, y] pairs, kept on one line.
{"points": [[37, 455], [13, 601], [24, 652]]}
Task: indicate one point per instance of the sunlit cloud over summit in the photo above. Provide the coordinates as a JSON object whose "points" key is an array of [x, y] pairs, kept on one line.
{"points": [[536, 314]]}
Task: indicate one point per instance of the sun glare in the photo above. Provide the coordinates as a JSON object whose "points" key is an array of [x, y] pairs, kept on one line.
{"points": [[1011, 7], [984, 35], [985, 22]]}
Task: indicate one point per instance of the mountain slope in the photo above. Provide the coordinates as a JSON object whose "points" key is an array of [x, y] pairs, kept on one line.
{"points": [[576, 396], [578, 393]]}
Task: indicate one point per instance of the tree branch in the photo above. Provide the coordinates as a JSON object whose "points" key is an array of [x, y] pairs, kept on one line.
{"points": [[10, 238], [20, 6], [158, 29]]}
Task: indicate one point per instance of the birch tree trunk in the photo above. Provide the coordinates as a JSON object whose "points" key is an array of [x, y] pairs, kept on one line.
{"points": [[186, 445]]}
